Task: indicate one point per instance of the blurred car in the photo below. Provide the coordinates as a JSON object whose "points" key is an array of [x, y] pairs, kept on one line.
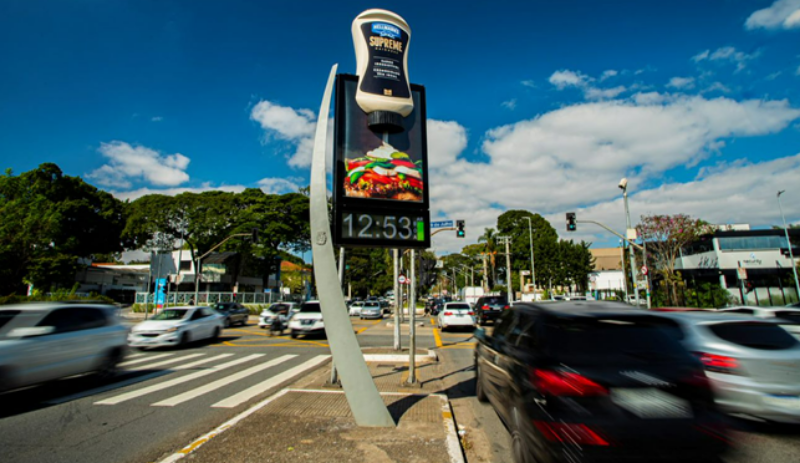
{"points": [[371, 310], [488, 308], [233, 312], [284, 309], [177, 326], [308, 320], [355, 309], [44, 342], [596, 381], [787, 318], [456, 314], [753, 365]]}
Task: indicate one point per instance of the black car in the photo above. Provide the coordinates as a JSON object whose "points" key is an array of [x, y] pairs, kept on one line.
{"points": [[596, 381], [488, 308], [233, 312]]}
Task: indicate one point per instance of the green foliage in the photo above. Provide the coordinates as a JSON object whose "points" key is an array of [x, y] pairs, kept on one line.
{"points": [[50, 220]]}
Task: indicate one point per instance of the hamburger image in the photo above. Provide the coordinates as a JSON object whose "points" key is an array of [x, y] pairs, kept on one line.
{"points": [[384, 173]]}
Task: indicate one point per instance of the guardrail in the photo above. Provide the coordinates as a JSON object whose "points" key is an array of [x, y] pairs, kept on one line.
{"points": [[183, 298]]}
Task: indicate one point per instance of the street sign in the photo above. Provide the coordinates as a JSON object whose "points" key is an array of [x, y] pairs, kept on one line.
{"points": [[524, 272], [401, 279], [442, 224], [631, 234], [644, 270]]}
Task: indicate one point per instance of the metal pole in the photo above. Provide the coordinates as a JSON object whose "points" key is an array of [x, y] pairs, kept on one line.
{"points": [[149, 279], [630, 248], [508, 269], [533, 271], [412, 314], [197, 282], [789, 243], [741, 282], [334, 372], [622, 258], [398, 345], [647, 275]]}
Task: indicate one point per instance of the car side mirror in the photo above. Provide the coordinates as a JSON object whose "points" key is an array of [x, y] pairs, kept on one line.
{"points": [[31, 331]]}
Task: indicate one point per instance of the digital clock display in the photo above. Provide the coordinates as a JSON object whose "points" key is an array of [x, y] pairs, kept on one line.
{"points": [[383, 226]]}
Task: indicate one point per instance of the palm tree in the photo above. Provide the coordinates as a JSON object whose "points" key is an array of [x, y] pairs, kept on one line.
{"points": [[489, 237]]}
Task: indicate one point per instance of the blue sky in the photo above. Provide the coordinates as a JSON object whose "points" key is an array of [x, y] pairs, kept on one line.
{"points": [[532, 105]]}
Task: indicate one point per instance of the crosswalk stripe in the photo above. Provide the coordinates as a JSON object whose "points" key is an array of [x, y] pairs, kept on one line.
{"points": [[133, 356], [202, 361], [166, 362], [253, 391], [197, 392], [149, 358], [183, 379]]}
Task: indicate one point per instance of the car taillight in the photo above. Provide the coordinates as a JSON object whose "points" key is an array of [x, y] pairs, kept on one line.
{"points": [[505, 307], [697, 378], [565, 383], [718, 363], [448, 313], [470, 313], [573, 433], [486, 307]]}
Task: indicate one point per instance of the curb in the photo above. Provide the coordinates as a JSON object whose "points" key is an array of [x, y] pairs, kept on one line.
{"points": [[400, 358]]}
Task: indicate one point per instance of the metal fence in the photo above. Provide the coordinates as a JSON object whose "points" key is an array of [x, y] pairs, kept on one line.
{"points": [[183, 298]]}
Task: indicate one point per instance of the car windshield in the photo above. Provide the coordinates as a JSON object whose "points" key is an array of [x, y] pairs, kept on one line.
{"points": [[785, 314], [458, 307], [170, 314], [7, 315], [222, 307], [613, 340], [495, 301], [311, 307], [763, 336]]}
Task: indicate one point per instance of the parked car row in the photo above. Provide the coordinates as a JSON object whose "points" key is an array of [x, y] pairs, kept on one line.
{"points": [[584, 380]]}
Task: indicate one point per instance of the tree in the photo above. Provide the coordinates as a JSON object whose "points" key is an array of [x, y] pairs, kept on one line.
{"points": [[50, 221], [489, 237], [666, 235]]}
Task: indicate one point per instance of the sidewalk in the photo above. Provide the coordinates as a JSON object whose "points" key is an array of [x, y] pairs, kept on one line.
{"points": [[311, 422]]}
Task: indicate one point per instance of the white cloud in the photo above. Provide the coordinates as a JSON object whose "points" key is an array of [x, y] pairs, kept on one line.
{"points": [[574, 156], [566, 78], [716, 87], [783, 14], [529, 83], [608, 74], [277, 186], [681, 83], [157, 119], [127, 163], [446, 140], [296, 126], [510, 104], [727, 54]]}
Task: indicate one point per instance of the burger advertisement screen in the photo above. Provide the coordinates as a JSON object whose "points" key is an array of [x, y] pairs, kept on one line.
{"points": [[380, 179]]}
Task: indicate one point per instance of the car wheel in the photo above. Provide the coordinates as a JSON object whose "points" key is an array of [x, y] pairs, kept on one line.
{"points": [[215, 336], [109, 365], [480, 392], [521, 449], [6, 383], [294, 334], [227, 323], [184, 340]]}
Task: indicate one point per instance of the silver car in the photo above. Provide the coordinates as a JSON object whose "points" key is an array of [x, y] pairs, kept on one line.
{"points": [[44, 342], [788, 318], [371, 310], [753, 365]]}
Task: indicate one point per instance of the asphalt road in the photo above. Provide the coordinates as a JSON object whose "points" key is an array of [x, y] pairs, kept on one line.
{"points": [[161, 400]]}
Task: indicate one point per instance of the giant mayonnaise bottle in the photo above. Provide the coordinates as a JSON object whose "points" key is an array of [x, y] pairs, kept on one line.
{"points": [[381, 41]]}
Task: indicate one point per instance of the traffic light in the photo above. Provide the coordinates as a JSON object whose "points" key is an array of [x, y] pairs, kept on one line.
{"points": [[571, 225], [460, 233]]}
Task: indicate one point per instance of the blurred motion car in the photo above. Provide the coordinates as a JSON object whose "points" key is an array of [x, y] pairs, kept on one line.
{"points": [[456, 314], [371, 310], [233, 312], [787, 318], [308, 320], [45, 342], [753, 365], [284, 309], [595, 381], [177, 326], [488, 308]]}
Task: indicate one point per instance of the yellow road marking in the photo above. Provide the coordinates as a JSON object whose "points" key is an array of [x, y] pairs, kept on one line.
{"points": [[437, 337], [461, 345], [433, 321]]}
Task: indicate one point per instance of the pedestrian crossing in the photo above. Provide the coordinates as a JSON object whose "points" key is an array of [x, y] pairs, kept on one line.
{"points": [[184, 378]]}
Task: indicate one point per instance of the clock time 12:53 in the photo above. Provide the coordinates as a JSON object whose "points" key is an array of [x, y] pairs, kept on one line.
{"points": [[383, 226]]}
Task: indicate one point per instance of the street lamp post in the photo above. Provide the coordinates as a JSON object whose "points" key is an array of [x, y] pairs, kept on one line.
{"points": [[789, 244], [623, 184], [533, 271]]}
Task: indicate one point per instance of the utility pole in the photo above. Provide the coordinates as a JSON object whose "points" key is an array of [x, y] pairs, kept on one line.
{"points": [[509, 284], [789, 244], [397, 342], [412, 319]]}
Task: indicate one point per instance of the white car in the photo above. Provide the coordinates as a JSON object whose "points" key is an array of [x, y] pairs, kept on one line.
{"points": [[456, 314], [283, 309], [775, 314], [45, 342], [355, 308], [308, 320], [177, 326]]}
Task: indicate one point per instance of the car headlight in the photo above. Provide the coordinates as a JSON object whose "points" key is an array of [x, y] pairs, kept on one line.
{"points": [[174, 329]]}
